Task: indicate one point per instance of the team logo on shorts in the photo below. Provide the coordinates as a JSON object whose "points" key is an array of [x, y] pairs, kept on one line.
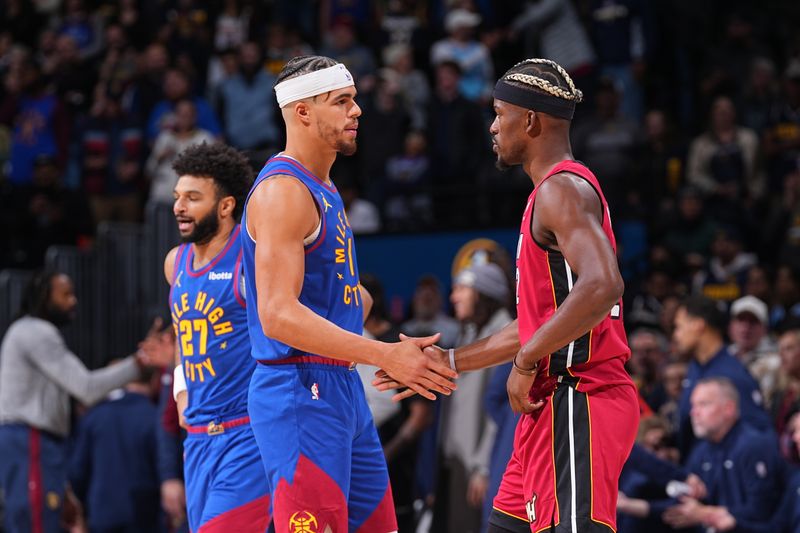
{"points": [[315, 391], [303, 522], [530, 508]]}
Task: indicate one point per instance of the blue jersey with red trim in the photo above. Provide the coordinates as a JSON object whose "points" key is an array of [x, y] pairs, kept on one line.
{"points": [[330, 283], [208, 314]]}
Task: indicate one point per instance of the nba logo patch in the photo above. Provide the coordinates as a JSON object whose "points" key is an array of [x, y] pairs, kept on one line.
{"points": [[315, 391]]}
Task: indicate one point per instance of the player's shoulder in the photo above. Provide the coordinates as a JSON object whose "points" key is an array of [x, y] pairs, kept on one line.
{"points": [[566, 182], [280, 191], [566, 193], [279, 183], [169, 263]]}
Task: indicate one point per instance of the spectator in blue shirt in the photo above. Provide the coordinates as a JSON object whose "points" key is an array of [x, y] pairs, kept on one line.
{"points": [[647, 483], [113, 465], [246, 103], [740, 466], [699, 324], [786, 519], [177, 88]]}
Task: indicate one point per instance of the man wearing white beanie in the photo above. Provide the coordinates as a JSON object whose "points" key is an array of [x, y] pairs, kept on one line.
{"points": [[480, 301]]}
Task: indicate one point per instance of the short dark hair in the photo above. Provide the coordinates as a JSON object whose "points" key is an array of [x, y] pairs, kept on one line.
{"points": [[297, 66], [429, 280], [452, 65], [229, 168], [706, 309]]}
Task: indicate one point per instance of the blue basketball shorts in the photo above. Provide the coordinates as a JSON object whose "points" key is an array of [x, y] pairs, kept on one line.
{"points": [[226, 488], [320, 449]]}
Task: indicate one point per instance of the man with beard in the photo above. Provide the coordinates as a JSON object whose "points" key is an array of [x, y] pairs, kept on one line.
{"points": [[306, 308], [568, 346], [38, 375], [225, 485]]}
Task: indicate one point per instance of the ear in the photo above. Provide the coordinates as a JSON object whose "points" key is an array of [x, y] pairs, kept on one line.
{"points": [[226, 206], [302, 110], [532, 123]]}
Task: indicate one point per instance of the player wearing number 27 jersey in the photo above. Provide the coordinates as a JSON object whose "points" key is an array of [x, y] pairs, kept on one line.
{"points": [[226, 489]]}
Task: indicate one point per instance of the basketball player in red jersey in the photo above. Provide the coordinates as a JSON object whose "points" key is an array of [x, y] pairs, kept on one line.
{"points": [[580, 410]]}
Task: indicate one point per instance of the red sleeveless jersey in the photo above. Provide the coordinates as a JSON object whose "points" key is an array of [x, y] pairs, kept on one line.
{"points": [[544, 280]]}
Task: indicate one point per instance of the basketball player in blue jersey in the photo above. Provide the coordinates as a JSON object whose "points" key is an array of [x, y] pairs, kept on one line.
{"points": [[324, 462], [226, 489]]}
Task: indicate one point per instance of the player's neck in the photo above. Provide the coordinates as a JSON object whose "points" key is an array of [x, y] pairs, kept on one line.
{"points": [[317, 159], [204, 253], [541, 165], [550, 147]]}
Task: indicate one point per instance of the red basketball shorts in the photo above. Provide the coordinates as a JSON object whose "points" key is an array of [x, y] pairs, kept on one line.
{"points": [[568, 456]]}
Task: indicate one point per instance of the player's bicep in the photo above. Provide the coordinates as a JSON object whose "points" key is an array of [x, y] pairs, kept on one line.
{"points": [[572, 212], [279, 215], [587, 249]]}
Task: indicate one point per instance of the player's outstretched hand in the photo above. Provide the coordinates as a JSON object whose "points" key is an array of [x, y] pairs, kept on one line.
{"points": [[406, 365], [383, 382], [518, 387]]}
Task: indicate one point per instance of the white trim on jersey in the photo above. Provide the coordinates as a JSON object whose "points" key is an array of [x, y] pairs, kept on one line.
{"points": [[571, 348], [572, 480], [311, 238]]}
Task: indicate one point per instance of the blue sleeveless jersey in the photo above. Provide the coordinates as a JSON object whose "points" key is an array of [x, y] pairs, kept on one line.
{"points": [[330, 284], [208, 314]]}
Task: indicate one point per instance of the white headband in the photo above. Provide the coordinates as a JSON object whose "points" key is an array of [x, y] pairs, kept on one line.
{"points": [[312, 84]]}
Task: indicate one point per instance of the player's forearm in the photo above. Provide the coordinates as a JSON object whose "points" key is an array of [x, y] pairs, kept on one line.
{"points": [[588, 303], [298, 326], [490, 351]]}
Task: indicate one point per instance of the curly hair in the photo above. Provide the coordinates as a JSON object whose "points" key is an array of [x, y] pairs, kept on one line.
{"points": [[229, 168]]}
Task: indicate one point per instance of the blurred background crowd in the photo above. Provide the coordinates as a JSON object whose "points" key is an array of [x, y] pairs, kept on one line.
{"points": [[690, 120]]}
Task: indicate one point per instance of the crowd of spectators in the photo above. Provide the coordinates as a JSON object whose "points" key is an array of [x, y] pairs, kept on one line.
{"points": [[691, 121]]}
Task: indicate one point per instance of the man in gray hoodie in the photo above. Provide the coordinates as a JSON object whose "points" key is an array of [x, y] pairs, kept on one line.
{"points": [[38, 375]]}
